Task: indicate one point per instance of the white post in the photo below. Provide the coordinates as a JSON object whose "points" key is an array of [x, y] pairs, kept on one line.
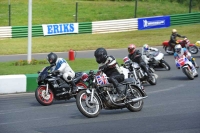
{"points": [[29, 30]]}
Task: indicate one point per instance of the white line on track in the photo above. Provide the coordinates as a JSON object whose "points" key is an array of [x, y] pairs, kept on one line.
{"points": [[168, 89]]}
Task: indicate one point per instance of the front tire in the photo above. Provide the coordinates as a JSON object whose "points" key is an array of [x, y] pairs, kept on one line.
{"points": [[43, 98], [152, 80], [165, 65], [188, 73], [193, 49], [135, 106], [85, 106]]}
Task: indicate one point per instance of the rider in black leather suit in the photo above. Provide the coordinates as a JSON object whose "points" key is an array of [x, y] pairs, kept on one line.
{"points": [[110, 67], [173, 38], [135, 56]]}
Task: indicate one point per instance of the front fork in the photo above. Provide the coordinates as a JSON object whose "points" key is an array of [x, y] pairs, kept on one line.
{"points": [[47, 89]]}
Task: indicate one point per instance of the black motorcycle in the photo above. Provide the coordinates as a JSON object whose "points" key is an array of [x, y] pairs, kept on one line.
{"points": [[136, 72], [100, 94], [51, 86]]}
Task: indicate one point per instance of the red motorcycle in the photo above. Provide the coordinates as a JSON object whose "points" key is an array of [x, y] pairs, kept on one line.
{"points": [[192, 48]]}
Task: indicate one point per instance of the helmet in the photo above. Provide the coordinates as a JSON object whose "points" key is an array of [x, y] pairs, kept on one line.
{"points": [[197, 43], [100, 55], [174, 31], [146, 47], [84, 77], [131, 48], [52, 58], [178, 48]]}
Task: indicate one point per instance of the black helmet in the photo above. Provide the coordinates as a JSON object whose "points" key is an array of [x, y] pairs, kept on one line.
{"points": [[52, 58], [100, 55]]}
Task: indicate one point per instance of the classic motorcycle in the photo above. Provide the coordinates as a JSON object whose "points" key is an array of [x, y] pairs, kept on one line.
{"points": [[52, 87], [186, 67], [157, 60], [136, 72], [101, 94], [192, 48]]}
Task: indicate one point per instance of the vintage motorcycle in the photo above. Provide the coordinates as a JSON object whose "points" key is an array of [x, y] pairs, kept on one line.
{"points": [[100, 94], [186, 67], [52, 87], [157, 60], [136, 72], [192, 48]]}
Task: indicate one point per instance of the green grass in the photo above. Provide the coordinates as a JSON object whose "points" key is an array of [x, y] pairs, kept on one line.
{"points": [[63, 11], [77, 65]]}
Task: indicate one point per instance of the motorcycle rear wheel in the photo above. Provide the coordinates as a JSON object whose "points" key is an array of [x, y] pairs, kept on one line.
{"points": [[193, 49], [85, 106], [187, 73], [135, 106], [42, 98]]}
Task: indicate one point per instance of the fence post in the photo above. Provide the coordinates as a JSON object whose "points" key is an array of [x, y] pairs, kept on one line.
{"points": [[135, 9], [76, 16], [190, 6]]}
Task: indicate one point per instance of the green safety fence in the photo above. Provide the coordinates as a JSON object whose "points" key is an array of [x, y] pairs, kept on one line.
{"points": [[188, 18]]}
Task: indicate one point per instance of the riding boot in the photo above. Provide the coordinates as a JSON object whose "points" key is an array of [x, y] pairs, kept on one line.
{"points": [[74, 87], [121, 91]]}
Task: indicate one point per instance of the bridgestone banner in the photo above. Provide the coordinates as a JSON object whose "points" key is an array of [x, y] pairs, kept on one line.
{"points": [[66, 28]]}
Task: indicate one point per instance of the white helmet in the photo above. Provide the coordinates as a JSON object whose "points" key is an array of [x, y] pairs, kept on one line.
{"points": [[178, 48], [145, 47], [174, 31]]}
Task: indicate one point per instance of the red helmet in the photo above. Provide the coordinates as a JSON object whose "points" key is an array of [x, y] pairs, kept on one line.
{"points": [[131, 48], [84, 76]]}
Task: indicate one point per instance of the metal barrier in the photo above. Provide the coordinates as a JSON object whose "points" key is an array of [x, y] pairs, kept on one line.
{"points": [[188, 18]]}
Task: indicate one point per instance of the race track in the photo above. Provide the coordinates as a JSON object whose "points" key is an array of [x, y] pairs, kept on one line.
{"points": [[172, 106]]}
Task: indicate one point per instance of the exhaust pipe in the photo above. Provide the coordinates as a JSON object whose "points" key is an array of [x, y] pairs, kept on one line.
{"points": [[138, 99]]}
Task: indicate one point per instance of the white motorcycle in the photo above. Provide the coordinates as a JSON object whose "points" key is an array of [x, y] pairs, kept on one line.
{"points": [[186, 67], [156, 60]]}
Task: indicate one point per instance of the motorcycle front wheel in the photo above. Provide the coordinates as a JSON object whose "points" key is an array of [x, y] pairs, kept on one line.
{"points": [[152, 80], [193, 49], [165, 65], [87, 107], [188, 73], [134, 106], [43, 98]]}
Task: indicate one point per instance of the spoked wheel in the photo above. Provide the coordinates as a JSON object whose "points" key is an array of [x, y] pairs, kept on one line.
{"points": [[169, 50], [81, 86], [87, 107], [152, 80], [42, 97], [134, 106], [193, 49], [165, 65]]}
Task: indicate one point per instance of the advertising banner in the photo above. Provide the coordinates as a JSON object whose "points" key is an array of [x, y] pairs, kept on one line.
{"points": [[153, 22], [53, 29]]}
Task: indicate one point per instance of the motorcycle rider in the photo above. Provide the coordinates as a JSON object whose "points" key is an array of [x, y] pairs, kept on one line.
{"points": [[61, 66], [179, 51], [136, 56], [145, 52], [173, 38], [110, 67]]}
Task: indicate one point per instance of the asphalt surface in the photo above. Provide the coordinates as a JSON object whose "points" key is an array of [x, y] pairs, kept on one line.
{"points": [[172, 106]]}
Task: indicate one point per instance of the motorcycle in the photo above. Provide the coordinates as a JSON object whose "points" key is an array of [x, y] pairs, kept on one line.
{"points": [[198, 44], [186, 67], [101, 94], [136, 72], [157, 60], [192, 48], [52, 87]]}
